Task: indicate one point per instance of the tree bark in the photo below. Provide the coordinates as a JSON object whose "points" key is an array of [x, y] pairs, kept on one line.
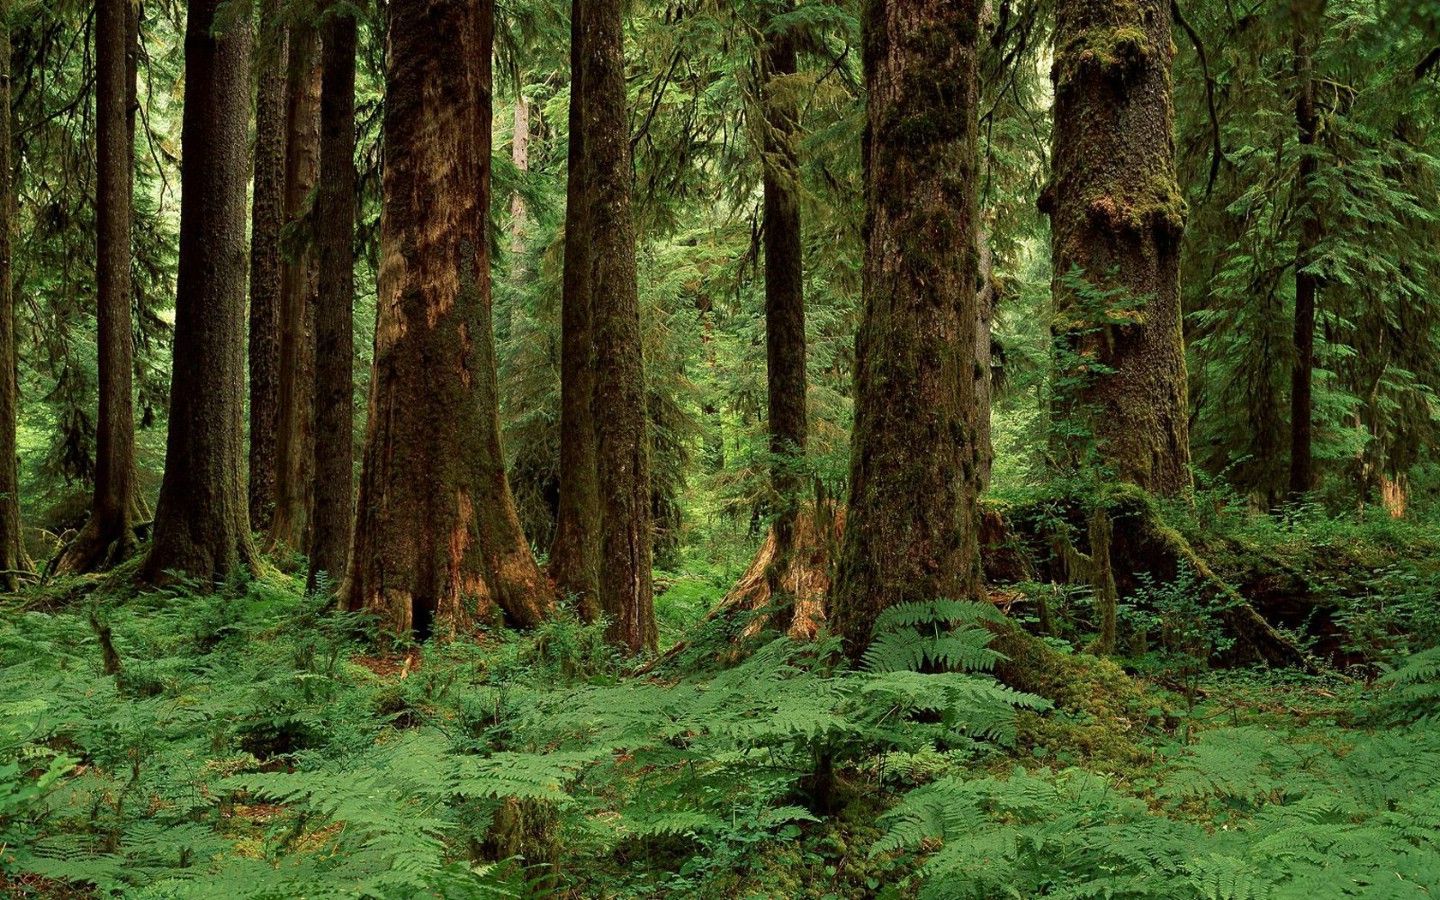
{"points": [[108, 536], [12, 554], [911, 531], [267, 219], [1307, 14], [622, 447], [202, 527], [784, 296], [437, 539], [575, 552], [1117, 217], [334, 318], [295, 413]]}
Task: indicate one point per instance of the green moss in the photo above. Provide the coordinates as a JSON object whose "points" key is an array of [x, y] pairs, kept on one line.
{"points": [[1114, 53], [1155, 206]]}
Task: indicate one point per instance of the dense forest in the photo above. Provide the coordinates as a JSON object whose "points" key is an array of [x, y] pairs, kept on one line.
{"points": [[720, 448]]}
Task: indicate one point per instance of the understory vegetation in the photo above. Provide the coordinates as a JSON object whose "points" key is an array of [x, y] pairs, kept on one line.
{"points": [[255, 744]]}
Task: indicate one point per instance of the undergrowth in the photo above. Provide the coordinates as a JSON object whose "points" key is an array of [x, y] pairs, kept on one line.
{"points": [[252, 746]]}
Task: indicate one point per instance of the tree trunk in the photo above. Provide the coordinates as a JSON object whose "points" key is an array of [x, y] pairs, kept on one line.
{"points": [[784, 297], [575, 553], [987, 300], [295, 414], [911, 531], [202, 527], [334, 317], [267, 218], [1117, 217], [618, 406], [108, 536], [1307, 285], [520, 156], [12, 554], [437, 539]]}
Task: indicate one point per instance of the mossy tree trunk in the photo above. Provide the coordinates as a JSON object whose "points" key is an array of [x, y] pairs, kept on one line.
{"points": [[437, 539], [1307, 18], [299, 285], [12, 554], [202, 526], [987, 301], [575, 551], [1117, 217], [117, 506], [784, 294], [622, 446], [267, 218], [912, 522], [335, 303]]}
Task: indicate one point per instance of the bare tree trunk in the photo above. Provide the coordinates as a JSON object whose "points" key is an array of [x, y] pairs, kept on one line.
{"points": [[295, 414], [202, 526], [108, 537], [267, 219], [1117, 217], [784, 297], [912, 525], [334, 318], [1307, 285], [618, 406], [12, 553], [438, 543], [520, 156], [575, 552]]}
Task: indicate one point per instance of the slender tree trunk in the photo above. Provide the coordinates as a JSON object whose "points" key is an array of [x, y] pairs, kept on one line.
{"points": [[911, 531], [295, 414], [622, 444], [1307, 15], [108, 536], [520, 156], [437, 539], [784, 296], [986, 303], [575, 553], [334, 319], [202, 526], [267, 219], [12, 553], [1117, 217]]}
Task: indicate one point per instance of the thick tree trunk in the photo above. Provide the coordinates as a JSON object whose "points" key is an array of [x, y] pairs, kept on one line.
{"points": [[267, 219], [334, 318], [12, 554], [202, 526], [295, 413], [1307, 285], [437, 539], [1117, 216], [784, 298], [575, 553], [622, 448], [911, 532], [108, 536]]}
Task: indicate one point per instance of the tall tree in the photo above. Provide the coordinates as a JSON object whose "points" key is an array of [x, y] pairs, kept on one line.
{"points": [[784, 288], [334, 317], [575, 552], [267, 219], [1307, 19], [12, 554], [622, 446], [117, 506], [1117, 217], [295, 411], [202, 526], [437, 539], [911, 527]]}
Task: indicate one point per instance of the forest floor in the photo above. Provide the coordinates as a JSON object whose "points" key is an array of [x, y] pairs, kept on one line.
{"points": [[255, 745]]}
